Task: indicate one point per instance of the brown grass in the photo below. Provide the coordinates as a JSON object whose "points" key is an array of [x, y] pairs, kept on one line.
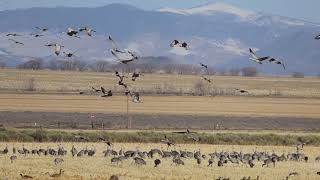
{"points": [[175, 105], [55, 81]]}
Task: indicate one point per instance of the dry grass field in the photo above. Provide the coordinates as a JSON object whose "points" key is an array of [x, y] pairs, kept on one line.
{"points": [[99, 167], [55, 81], [171, 105]]}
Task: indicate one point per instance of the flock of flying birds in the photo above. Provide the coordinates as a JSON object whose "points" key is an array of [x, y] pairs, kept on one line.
{"points": [[125, 56]]}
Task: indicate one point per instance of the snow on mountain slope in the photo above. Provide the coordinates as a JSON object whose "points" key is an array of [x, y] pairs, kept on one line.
{"points": [[211, 9]]}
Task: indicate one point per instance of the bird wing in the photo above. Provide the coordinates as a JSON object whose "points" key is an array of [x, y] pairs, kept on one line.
{"points": [[253, 54], [113, 43], [103, 90], [263, 58]]}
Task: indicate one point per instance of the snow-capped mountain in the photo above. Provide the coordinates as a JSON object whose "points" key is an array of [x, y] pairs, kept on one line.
{"points": [[219, 34]]}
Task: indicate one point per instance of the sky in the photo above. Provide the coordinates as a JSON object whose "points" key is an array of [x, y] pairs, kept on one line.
{"points": [[301, 9]]}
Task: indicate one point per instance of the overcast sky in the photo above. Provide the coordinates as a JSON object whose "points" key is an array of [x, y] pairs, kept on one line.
{"points": [[302, 9]]}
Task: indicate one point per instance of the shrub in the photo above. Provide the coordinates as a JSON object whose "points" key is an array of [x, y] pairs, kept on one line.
{"points": [[297, 75], [250, 71]]}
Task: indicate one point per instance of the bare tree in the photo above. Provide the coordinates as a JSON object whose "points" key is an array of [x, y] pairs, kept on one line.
{"points": [[101, 66], [2, 65], [234, 72], [297, 75], [34, 64], [250, 71]]}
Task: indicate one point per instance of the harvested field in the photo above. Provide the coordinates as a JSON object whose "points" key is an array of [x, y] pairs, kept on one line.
{"points": [[99, 167], [58, 82]]}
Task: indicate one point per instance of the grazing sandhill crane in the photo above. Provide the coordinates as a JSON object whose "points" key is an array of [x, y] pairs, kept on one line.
{"points": [[157, 162], [13, 158], [81, 138], [193, 137], [135, 76], [14, 150], [56, 175], [178, 161], [255, 58], [300, 146], [206, 79], [73, 151], [222, 178], [87, 30], [123, 56], [292, 174], [43, 29], [114, 177], [24, 176], [58, 161], [13, 34], [105, 93], [105, 141], [210, 162], [242, 91], [167, 142], [272, 60], [139, 161], [72, 33], [176, 44], [16, 42], [57, 47]]}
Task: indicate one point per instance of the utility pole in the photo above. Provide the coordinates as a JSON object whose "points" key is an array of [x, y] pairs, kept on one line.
{"points": [[128, 115]]}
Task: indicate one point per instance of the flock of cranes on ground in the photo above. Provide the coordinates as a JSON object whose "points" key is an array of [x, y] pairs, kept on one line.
{"points": [[158, 156]]}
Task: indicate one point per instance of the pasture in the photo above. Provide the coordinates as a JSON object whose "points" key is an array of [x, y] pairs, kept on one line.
{"points": [[100, 167]]}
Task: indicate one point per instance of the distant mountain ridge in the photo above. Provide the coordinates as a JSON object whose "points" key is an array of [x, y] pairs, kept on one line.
{"points": [[218, 34]]}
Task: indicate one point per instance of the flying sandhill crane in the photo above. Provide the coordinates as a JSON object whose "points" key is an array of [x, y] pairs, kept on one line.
{"points": [[206, 79], [69, 54], [81, 138], [204, 65], [43, 29], [136, 97], [176, 44], [157, 162], [123, 56], [16, 42], [56, 175], [13, 34], [255, 58], [36, 35], [24, 176], [135, 76], [57, 48], [272, 60], [105, 93], [96, 90], [87, 30], [73, 33]]}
